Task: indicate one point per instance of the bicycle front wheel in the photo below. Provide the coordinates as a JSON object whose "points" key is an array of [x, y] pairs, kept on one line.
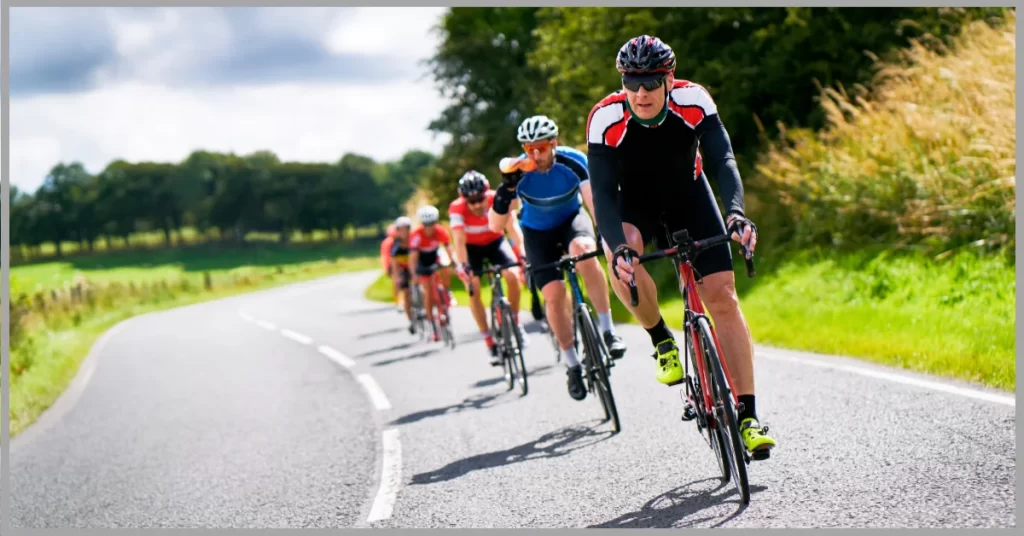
{"points": [[514, 344], [726, 413], [707, 425], [596, 355]]}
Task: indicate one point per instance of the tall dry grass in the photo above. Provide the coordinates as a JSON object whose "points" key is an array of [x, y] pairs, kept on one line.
{"points": [[924, 159]]}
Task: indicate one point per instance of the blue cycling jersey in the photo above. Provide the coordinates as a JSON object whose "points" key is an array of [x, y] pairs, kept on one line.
{"points": [[551, 198]]}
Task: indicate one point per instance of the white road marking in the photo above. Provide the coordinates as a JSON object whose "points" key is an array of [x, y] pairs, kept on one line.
{"points": [[245, 316], [898, 378], [390, 478], [266, 325], [337, 356], [295, 336], [375, 392]]}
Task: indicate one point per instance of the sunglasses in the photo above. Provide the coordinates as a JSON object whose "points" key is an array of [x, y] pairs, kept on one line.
{"points": [[649, 85], [538, 146], [476, 200]]}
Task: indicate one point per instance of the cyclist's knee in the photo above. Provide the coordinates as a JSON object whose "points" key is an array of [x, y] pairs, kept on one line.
{"points": [[718, 291], [581, 245]]}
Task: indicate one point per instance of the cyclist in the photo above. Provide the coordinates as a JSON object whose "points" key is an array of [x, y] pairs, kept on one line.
{"points": [[553, 221], [385, 261], [400, 275], [424, 252], [643, 176], [475, 242]]}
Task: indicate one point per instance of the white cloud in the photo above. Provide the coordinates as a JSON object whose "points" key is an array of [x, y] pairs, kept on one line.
{"points": [[139, 119]]}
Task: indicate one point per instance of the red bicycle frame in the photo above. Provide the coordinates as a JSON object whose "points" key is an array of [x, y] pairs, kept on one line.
{"points": [[435, 289], [693, 305], [689, 284]]}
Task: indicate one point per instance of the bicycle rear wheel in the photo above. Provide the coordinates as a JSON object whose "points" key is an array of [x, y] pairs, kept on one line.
{"points": [[596, 359], [514, 346], [725, 411]]}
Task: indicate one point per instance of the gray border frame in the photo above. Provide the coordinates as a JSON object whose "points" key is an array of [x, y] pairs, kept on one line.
{"points": [[5, 503]]}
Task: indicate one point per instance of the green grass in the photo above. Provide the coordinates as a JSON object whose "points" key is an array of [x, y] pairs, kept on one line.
{"points": [[952, 318], [149, 266], [54, 355]]}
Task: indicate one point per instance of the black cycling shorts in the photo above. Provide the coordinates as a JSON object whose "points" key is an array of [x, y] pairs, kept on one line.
{"points": [[498, 253], [543, 247], [695, 210], [403, 277]]}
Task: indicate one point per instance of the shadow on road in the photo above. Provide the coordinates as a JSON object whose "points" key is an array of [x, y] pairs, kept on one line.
{"points": [[550, 445], [680, 507], [539, 371], [389, 349], [378, 333], [415, 355], [472, 402]]}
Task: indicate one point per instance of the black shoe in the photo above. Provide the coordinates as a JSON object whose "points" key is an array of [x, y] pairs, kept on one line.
{"points": [[495, 360], [616, 347], [412, 329], [576, 388]]}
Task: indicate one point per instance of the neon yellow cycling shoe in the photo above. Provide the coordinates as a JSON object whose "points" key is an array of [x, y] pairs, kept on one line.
{"points": [[670, 372], [756, 438]]}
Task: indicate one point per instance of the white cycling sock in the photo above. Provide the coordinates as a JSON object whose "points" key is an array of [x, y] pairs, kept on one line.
{"points": [[605, 319], [570, 357]]}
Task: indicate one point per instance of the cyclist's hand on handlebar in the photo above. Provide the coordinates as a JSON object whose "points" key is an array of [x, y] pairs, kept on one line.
{"points": [[624, 271], [743, 231]]}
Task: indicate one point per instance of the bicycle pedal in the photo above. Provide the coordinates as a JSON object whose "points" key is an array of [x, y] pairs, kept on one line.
{"points": [[689, 414], [761, 454], [673, 383]]}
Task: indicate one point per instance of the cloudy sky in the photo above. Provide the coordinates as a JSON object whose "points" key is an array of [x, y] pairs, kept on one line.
{"points": [[96, 84]]}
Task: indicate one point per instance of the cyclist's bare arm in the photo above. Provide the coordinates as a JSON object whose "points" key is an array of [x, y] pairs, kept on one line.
{"points": [[461, 253], [588, 198], [414, 258], [513, 228], [497, 222]]}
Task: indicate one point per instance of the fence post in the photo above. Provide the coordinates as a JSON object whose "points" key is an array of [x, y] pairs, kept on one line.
{"points": [[206, 281]]}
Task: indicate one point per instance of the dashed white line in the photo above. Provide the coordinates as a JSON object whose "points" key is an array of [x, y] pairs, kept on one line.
{"points": [[337, 356], [390, 478], [266, 325], [297, 337], [245, 316], [897, 378], [375, 392]]}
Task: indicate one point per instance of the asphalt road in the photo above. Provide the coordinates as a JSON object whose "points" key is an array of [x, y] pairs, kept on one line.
{"points": [[309, 406]]}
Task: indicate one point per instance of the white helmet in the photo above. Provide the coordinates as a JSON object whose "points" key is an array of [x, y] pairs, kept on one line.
{"points": [[403, 221], [428, 214], [538, 127]]}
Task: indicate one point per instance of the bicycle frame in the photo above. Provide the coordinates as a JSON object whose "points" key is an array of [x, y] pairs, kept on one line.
{"points": [[682, 257]]}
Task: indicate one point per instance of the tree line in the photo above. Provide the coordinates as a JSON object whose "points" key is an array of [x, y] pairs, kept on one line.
{"points": [[231, 193], [765, 68]]}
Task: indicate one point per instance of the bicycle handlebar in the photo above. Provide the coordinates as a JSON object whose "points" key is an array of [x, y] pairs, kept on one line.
{"points": [[691, 248], [492, 269], [564, 261]]}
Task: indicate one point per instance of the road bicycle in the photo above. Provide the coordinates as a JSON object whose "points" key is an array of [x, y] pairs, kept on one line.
{"points": [[419, 313], [504, 329], [442, 318], [597, 361], [708, 395]]}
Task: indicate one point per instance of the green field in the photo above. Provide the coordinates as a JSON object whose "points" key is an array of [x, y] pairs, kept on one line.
{"points": [[954, 318]]}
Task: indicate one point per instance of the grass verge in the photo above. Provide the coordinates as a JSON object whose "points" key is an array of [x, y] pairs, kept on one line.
{"points": [[46, 360], [954, 318]]}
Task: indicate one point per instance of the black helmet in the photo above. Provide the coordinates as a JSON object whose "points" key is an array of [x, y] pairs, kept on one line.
{"points": [[473, 183], [645, 55]]}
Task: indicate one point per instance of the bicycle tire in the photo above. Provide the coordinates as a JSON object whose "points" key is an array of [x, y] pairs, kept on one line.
{"points": [[596, 352], [514, 343], [711, 432], [726, 408]]}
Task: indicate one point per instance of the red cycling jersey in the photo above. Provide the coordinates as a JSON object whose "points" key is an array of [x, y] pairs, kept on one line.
{"points": [[478, 233], [428, 245]]}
